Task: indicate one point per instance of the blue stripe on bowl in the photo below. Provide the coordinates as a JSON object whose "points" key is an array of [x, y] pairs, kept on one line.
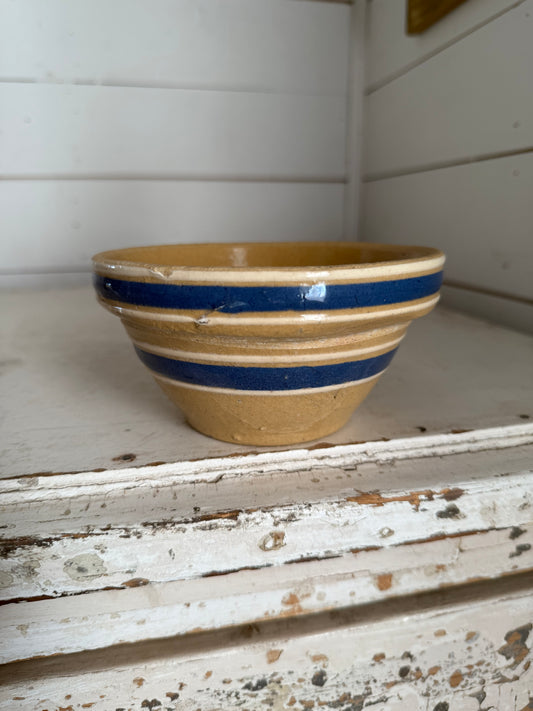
{"points": [[253, 378], [242, 299]]}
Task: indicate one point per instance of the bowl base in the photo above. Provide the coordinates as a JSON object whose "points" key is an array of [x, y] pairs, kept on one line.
{"points": [[268, 419]]}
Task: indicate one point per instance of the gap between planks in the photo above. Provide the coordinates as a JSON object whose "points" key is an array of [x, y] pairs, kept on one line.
{"points": [[489, 292], [178, 177], [441, 165], [118, 83], [354, 122], [461, 597]]}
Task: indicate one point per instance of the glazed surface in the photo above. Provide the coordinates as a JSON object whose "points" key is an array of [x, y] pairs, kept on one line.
{"points": [[265, 255], [268, 343]]}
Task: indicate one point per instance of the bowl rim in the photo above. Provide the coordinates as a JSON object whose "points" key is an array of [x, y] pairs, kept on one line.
{"points": [[115, 263]]}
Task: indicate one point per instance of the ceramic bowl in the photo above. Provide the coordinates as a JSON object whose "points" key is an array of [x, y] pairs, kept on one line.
{"points": [[268, 343]]}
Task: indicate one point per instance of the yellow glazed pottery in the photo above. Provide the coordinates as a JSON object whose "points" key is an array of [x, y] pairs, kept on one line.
{"points": [[268, 343]]}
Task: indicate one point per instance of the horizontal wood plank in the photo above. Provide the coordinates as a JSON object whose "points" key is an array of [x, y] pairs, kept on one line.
{"points": [[358, 510], [450, 652], [51, 130], [108, 618], [390, 51], [67, 502], [479, 214], [239, 44], [463, 103], [69, 221]]}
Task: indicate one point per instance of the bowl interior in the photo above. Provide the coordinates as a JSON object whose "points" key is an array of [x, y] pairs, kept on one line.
{"points": [[288, 255]]}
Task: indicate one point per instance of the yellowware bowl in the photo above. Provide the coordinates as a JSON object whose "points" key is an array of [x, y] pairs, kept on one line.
{"points": [[268, 343]]}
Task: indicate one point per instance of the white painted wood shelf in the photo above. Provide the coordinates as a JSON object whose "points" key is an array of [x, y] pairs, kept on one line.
{"points": [[76, 398], [376, 568]]}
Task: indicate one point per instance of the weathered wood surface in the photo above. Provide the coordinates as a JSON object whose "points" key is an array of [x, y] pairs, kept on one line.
{"points": [[443, 653], [157, 554], [301, 579], [177, 547], [68, 367]]}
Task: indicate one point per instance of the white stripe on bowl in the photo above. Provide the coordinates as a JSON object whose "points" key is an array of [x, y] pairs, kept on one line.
{"points": [[288, 358], [266, 319], [305, 277]]}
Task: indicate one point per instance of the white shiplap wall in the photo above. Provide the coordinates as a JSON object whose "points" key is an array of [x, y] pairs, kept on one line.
{"points": [[212, 120], [168, 121], [448, 149]]}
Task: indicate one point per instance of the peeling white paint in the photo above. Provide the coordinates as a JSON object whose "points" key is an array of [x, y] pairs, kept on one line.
{"points": [[314, 539], [461, 655], [26, 490], [85, 566]]}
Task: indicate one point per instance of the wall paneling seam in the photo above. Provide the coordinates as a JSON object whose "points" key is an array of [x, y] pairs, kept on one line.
{"points": [[376, 86]]}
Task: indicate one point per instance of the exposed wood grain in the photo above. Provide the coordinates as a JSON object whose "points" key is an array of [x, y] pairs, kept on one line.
{"points": [[227, 490], [156, 554], [161, 610], [446, 108], [158, 550], [45, 487], [218, 44], [353, 564], [366, 546]]}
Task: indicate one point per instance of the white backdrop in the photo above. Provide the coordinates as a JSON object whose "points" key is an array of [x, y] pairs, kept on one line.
{"points": [[138, 122]]}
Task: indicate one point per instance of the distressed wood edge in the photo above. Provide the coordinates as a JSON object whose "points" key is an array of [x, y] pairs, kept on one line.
{"points": [[434, 603], [103, 619], [208, 671], [37, 487], [251, 539]]}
